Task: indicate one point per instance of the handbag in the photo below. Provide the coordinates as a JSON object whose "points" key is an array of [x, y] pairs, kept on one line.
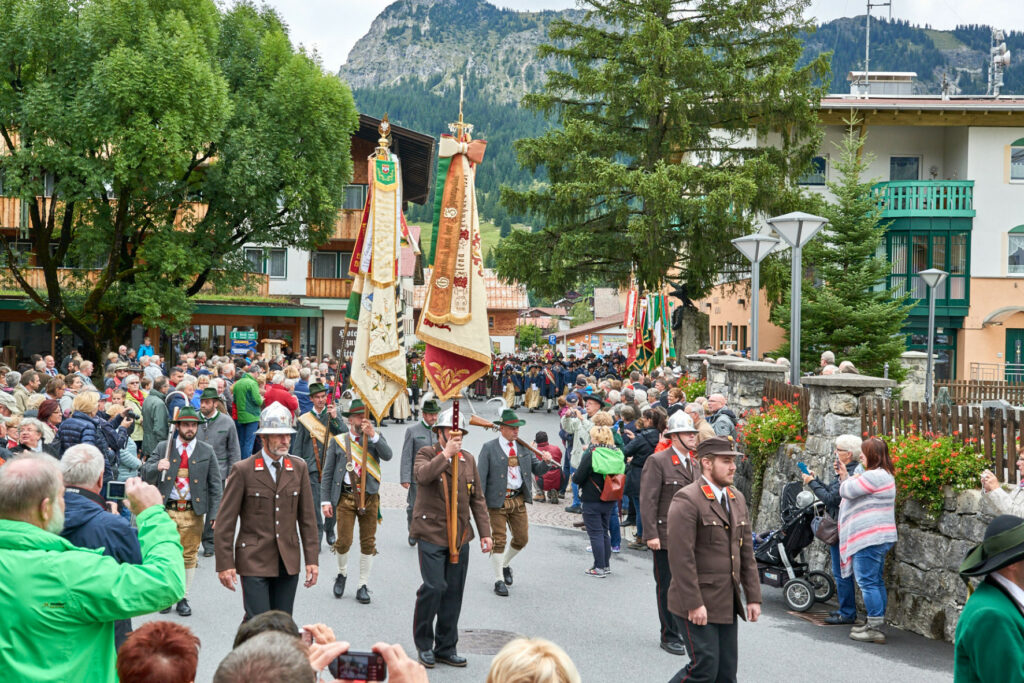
{"points": [[827, 530], [614, 485]]}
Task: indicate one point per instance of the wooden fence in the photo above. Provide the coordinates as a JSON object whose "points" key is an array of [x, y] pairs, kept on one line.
{"points": [[997, 435], [964, 391], [787, 393]]}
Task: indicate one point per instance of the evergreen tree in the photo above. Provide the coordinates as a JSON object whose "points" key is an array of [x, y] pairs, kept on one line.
{"points": [[847, 307], [653, 167], [505, 227], [489, 261]]}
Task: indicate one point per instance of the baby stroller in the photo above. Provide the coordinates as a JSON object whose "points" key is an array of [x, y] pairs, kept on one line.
{"points": [[777, 552]]}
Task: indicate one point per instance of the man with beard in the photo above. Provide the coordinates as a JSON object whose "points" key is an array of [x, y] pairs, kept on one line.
{"points": [[189, 480], [312, 437], [218, 430], [340, 494], [269, 499], [69, 639]]}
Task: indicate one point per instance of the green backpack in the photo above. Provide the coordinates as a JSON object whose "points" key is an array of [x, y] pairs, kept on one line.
{"points": [[606, 460]]}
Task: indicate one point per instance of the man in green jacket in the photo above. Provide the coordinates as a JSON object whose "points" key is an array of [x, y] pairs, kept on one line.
{"points": [[989, 644], [154, 417], [248, 404], [59, 601]]}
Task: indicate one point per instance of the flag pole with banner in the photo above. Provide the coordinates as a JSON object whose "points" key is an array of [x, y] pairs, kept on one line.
{"points": [[378, 361], [453, 323]]}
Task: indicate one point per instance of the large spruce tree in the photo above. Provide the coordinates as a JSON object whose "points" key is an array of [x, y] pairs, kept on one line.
{"points": [[847, 307], [680, 123]]}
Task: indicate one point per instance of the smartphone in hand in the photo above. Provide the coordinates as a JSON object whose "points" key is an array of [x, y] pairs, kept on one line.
{"points": [[802, 466]]}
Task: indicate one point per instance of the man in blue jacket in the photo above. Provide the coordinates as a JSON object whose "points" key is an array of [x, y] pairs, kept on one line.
{"points": [[87, 521]]}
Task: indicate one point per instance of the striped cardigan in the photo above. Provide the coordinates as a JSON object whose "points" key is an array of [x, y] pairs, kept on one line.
{"points": [[867, 514]]}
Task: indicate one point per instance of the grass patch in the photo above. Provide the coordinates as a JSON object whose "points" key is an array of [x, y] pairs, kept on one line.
{"points": [[943, 40], [242, 298]]}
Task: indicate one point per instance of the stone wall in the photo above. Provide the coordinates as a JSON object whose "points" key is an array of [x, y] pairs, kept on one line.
{"points": [[926, 593], [695, 367], [718, 373], [745, 382], [691, 334], [916, 365]]}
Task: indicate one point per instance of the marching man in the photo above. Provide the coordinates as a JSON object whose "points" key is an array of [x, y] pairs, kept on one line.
{"points": [[711, 557], [343, 477], [506, 475], [664, 473], [312, 436], [268, 497], [437, 534], [189, 480], [417, 436]]}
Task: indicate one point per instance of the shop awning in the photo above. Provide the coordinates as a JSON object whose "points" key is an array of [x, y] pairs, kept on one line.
{"points": [[257, 309]]}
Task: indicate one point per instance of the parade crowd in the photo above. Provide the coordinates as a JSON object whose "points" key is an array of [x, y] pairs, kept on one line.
{"points": [[257, 461]]}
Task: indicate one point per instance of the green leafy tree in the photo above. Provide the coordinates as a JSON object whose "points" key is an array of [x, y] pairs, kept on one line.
{"points": [[171, 134], [655, 166], [489, 259], [505, 229], [529, 335], [847, 308]]}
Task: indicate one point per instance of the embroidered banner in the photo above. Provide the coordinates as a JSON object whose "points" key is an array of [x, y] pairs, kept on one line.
{"points": [[453, 324]]}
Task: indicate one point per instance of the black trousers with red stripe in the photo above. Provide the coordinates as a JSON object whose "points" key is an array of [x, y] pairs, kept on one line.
{"points": [[713, 652], [662, 580]]}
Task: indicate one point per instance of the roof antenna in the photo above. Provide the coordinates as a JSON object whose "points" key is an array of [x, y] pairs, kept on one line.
{"points": [[867, 40]]}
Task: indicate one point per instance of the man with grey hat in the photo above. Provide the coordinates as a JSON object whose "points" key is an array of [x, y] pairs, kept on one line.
{"points": [[269, 499], [664, 473], [418, 435], [989, 641], [218, 431]]}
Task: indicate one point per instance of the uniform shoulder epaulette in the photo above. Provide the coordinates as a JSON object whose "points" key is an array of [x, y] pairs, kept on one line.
{"points": [[257, 464], [732, 496], [708, 493]]}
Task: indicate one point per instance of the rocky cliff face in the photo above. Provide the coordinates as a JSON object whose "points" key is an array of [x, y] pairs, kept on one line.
{"points": [[436, 41]]}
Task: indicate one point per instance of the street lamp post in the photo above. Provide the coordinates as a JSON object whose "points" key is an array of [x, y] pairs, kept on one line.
{"points": [[797, 229], [933, 277], [755, 248]]}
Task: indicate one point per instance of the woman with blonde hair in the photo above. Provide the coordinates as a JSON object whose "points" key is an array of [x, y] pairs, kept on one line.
{"points": [[532, 660], [83, 426], [597, 513]]}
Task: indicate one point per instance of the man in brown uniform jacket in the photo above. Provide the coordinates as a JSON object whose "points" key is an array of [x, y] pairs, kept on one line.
{"points": [[711, 556], [440, 596], [270, 495], [664, 473]]}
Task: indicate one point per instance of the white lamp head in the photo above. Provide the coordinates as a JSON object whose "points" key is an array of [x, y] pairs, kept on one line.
{"points": [[933, 277], [797, 228], [755, 247]]}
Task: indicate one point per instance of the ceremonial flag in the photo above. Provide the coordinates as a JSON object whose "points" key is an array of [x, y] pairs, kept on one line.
{"points": [[378, 361], [453, 324]]}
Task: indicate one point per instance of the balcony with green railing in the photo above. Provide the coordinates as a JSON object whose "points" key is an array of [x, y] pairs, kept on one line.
{"points": [[925, 198]]}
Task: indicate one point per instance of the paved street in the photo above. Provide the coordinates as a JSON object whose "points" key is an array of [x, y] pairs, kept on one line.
{"points": [[608, 626]]}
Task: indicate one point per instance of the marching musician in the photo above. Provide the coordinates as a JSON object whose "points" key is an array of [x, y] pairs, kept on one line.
{"points": [[312, 436], [443, 541], [506, 474], [355, 493]]}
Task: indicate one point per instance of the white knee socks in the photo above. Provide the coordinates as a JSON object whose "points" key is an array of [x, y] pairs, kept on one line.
{"points": [[365, 562], [510, 552], [343, 564], [498, 561], [190, 573]]}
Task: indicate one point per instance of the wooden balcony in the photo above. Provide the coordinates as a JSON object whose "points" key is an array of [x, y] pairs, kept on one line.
{"points": [[72, 278], [328, 287], [10, 211], [347, 225], [910, 198]]}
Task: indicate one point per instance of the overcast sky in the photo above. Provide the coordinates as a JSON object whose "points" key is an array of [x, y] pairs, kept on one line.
{"points": [[333, 26]]}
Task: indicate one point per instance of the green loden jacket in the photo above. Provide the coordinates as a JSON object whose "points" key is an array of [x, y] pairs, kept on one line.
{"points": [[59, 601], [989, 643]]}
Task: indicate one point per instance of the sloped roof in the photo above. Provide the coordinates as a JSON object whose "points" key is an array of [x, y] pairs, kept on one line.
{"points": [[500, 295], [595, 325]]}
